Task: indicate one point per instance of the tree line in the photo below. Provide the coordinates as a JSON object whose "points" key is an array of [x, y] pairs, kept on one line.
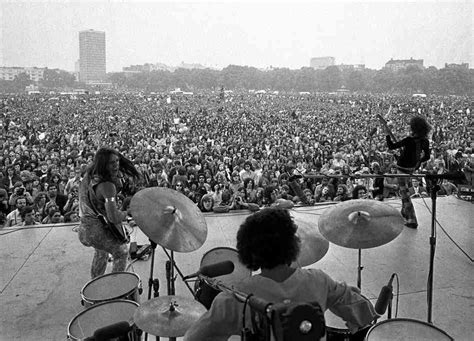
{"points": [[412, 79]]}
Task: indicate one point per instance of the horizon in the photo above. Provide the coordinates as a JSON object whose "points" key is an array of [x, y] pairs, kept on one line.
{"points": [[219, 34]]}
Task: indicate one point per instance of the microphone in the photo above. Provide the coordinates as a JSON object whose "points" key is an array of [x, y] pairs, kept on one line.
{"points": [[214, 270], [448, 176], [384, 297], [110, 332], [373, 131]]}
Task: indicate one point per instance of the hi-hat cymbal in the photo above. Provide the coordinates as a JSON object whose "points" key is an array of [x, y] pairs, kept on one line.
{"points": [[169, 218], [361, 224], [313, 245], [168, 316]]}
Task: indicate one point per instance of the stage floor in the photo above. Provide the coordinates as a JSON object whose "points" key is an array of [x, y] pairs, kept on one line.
{"points": [[44, 270]]}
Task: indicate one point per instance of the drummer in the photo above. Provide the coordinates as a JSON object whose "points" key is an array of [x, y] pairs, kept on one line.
{"points": [[267, 241]]}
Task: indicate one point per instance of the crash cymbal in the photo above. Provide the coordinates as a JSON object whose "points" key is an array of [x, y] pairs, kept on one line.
{"points": [[361, 224], [169, 218], [168, 316], [313, 245]]}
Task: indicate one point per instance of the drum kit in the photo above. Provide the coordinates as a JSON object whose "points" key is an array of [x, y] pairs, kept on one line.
{"points": [[173, 221]]}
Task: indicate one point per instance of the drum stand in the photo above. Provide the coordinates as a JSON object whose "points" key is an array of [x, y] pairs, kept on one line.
{"points": [[153, 282], [359, 270], [171, 279]]}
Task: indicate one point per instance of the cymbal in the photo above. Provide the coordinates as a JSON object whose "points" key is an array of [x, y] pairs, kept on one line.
{"points": [[169, 218], [313, 245], [361, 224], [168, 316]]}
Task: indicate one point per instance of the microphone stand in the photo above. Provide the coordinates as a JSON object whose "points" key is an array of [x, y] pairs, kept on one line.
{"points": [[389, 308], [179, 272], [434, 191]]}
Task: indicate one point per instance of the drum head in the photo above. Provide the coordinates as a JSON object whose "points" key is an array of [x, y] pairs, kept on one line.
{"points": [[221, 254], [99, 316], [406, 330], [110, 286]]}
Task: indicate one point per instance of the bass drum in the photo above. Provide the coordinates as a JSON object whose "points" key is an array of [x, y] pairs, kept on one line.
{"points": [[102, 315], [405, 329], [206, 294], [336, 329], [112, 286]]}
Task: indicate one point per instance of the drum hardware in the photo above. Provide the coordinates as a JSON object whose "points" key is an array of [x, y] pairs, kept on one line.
{"points": [[169, 219], [112, 286], [313, 246], [169, 316], [405, 329], [361, 224], [286, 321], [105, 319], [203, 292]]}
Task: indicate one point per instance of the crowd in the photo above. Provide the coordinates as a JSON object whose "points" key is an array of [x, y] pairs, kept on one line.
{"points": [[238, 151]]}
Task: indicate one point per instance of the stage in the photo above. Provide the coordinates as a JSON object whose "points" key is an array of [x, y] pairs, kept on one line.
{"points": [[44, 269]]}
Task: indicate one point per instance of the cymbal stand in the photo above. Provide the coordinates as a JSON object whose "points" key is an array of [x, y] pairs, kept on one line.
{"points": [[153, 282], [180, 273], [170, 279], [359, 270]]}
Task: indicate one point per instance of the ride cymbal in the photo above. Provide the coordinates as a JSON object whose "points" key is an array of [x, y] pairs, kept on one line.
{"points": [[313, 246], [168, 316], [361, 224], [169, 219]]}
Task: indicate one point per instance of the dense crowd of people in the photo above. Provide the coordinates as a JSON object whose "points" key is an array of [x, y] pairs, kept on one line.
{"points": [[224, 152]]}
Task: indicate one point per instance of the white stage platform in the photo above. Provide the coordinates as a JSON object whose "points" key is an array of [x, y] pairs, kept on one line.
{"points": [[44, 270]]}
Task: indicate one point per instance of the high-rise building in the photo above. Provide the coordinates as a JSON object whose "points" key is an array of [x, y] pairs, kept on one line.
{"points": [[91, 56]]}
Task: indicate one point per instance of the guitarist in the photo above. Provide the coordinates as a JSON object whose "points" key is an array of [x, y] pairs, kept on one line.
{"points": [[415, 149], [97, 200]]}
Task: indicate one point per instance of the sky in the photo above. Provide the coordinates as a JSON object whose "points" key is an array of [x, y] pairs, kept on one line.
{"points": [[253, 33]]}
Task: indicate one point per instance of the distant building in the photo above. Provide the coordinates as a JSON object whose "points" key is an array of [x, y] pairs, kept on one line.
{"points": [[9, 73], [160, 67], [147, 68], [456, 66], [320, 63], [351, 67], [92, 67], [399, 64]]}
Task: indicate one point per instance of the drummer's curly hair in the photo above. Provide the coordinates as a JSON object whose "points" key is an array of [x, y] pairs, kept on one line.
{"points": [[267, 239]]}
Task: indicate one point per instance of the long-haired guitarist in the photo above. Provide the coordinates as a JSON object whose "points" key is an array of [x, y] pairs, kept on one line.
{"points": [[415, 149], [97, 199]]}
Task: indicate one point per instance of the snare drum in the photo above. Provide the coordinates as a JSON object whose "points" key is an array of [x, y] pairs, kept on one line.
{"points": [[203, 292], [102, 315], [336, 329], [113, 286], [405, 329]]}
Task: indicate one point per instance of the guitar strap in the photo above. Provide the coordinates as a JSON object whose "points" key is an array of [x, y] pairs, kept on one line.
{"points": [[119, 232]]}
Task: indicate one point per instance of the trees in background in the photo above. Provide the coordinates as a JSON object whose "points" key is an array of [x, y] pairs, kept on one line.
{"points": [[456, 81], [409, 80]]}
